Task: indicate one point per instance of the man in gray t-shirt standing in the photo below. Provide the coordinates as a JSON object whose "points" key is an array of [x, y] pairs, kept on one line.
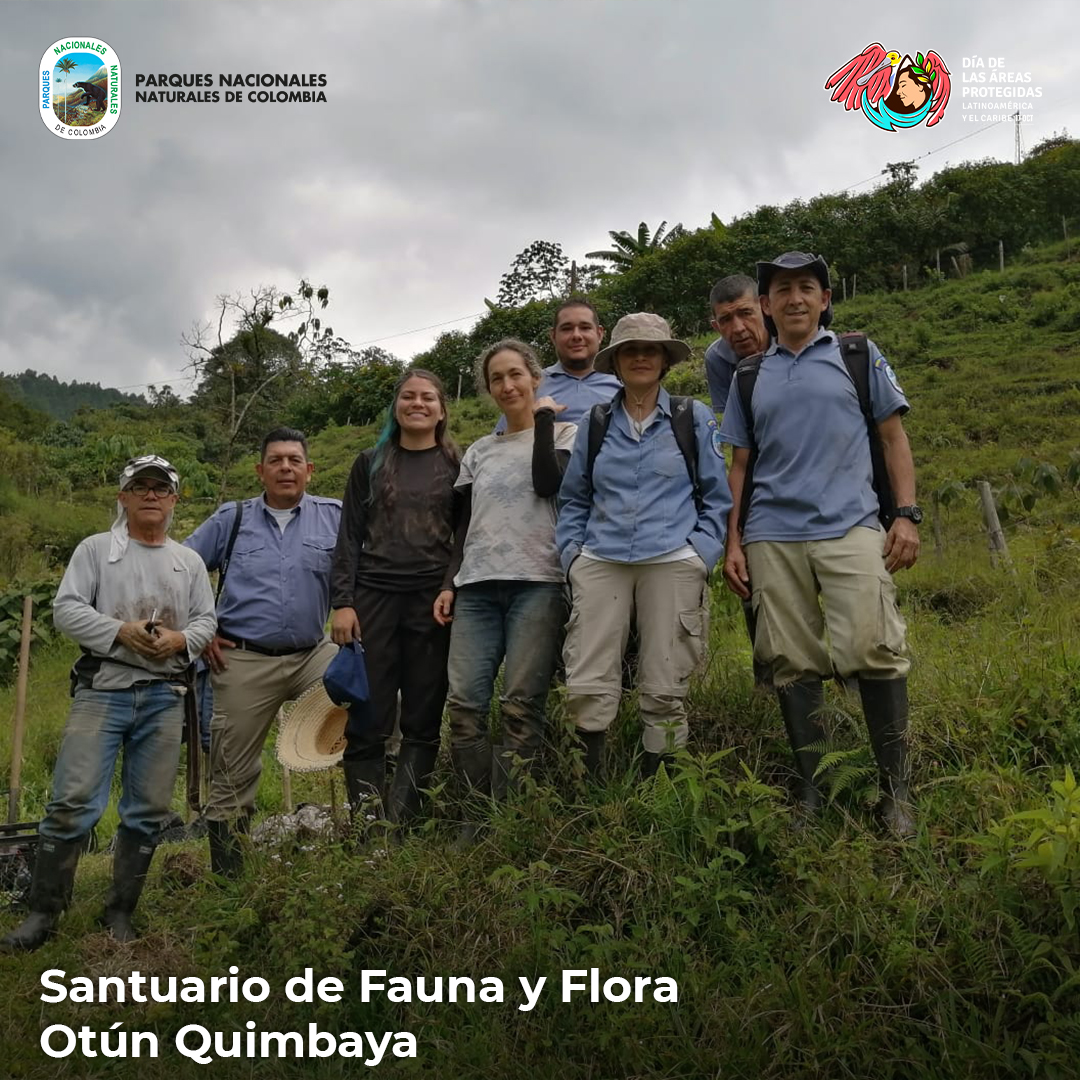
{"points": [[141, 607]]}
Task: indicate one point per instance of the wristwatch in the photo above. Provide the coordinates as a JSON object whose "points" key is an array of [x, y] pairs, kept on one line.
{"points": [[913, 513]]}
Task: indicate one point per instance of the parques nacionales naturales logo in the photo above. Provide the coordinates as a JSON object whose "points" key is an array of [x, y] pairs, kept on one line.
{"points": [[80, 88], [891, 92]]}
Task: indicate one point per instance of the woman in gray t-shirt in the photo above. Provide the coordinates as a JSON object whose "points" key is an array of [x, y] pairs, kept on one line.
{"points": [[505, 590]]}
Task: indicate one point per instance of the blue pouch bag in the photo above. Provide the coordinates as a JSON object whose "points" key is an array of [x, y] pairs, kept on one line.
{"points": [[346, 678]]}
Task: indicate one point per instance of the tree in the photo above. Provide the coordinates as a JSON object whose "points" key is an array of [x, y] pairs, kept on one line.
{"points": [[354, 387], [244, 377], [543, 272], [451, 358], [629, 248], [540, 272], [65, 66]]}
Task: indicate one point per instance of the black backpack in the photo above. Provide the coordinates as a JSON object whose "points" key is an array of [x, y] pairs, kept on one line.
{"points": [[682, 427], [855, 350]]}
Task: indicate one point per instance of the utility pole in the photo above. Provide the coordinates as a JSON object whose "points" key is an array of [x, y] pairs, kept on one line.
{"points": [[1019, 140]]}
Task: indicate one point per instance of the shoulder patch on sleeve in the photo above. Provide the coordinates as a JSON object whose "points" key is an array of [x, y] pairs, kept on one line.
{"points": [[714, 435], [884, 367]]}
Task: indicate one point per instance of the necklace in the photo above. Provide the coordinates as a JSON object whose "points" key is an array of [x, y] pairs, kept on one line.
{"points": [[639, 425]]}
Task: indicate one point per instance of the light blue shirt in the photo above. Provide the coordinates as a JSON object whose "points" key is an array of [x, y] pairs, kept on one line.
{"points": [[579, 395], [812, 476], [277, 589], [641, 502], [720, 365]]}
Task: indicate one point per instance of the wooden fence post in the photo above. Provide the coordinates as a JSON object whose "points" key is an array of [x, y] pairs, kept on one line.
{"points": [[1001, 256], [994, 534], [20, 709], [905, 277], [854, 285]]}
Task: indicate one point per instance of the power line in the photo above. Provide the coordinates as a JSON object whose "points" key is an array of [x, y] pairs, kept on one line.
{"points": [[919, 157]]}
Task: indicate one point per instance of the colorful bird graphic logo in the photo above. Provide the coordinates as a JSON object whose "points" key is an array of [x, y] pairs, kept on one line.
{"points": [[893, 93]]}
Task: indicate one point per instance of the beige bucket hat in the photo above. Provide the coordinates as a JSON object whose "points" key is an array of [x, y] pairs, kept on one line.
{"points": [[311, 735], [641, 326]]}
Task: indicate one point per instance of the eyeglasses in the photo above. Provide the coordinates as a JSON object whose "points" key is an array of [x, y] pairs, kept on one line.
{"points": [[140, 490]]}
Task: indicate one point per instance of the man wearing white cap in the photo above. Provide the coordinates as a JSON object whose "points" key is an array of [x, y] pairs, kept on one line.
{"points": [[141, 607]]}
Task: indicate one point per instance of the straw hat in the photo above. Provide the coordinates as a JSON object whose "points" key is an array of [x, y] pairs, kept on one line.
{"points": [[311, 735]]}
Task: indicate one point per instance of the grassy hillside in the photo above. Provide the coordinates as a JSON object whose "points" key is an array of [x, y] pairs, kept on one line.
{"points": [[826, 952]]}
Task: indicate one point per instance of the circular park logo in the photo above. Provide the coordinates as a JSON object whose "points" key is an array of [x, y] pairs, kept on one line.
{"points": [[80, 88]]}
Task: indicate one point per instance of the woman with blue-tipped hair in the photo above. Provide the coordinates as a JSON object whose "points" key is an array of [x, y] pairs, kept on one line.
{"points": [[393, 550]]}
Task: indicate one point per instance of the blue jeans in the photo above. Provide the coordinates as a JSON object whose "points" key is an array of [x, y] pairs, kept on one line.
{"points": [[521, 622], [147, 721]]}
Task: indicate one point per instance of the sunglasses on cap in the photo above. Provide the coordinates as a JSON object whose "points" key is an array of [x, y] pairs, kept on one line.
{"points": [[138, 465]]}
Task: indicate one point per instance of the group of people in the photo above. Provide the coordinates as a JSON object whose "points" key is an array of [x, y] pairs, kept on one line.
{"points": [[597, 510]]}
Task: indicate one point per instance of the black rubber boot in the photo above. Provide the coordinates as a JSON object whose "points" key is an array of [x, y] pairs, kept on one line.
{"points": [[472, 764], [50, 893], [800, 706], [415, 764], [650, 763], [226, 853], [592, 749], [885, 706], [131, 861]]}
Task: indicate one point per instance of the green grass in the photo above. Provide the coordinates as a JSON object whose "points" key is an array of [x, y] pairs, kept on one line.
{"points": [[826, 952]]}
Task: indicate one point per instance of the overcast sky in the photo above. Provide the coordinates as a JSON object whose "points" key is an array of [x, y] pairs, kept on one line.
{"points": [[455, 133]]}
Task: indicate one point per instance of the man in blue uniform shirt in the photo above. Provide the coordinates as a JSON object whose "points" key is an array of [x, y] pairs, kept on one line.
{"points": [[812, 528], [271, 643], [737, 318], [572, 380]]}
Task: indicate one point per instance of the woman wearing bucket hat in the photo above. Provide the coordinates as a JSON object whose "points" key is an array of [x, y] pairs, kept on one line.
{"points": [[395, 543], [509, 603], [642, 521]]}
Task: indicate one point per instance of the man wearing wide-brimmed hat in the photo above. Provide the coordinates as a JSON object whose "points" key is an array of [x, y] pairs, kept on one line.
{"points": [[811, 543], [141, 607], [640, 528]]}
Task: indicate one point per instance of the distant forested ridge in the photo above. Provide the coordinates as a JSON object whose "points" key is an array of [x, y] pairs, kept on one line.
{"points": [[61, 400]]}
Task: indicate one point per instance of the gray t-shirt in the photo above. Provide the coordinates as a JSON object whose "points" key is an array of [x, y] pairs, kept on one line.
{"points": [[512, 530], [95, 597]]}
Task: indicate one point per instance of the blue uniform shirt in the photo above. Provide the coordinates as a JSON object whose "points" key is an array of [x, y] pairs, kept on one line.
{"points": [[720, 364], [641, 504], [277, 589], [812, 477], [578, 395]]}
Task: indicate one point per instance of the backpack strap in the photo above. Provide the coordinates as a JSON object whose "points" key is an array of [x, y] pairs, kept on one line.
{"points": [[855, 350], [682, 427], [229, 549], [599, 422], [746, 374]]}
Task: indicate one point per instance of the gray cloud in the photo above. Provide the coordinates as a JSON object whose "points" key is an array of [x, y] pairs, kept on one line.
{"points": [[455, 133]]}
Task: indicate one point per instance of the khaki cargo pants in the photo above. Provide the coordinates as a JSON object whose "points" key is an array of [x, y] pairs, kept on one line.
{"points": [[669, 602], [805, 589]]}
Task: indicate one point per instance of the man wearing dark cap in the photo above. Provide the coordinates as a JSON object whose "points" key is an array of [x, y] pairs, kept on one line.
{"points": [[811, 542], [141, 607], [735, 314]]}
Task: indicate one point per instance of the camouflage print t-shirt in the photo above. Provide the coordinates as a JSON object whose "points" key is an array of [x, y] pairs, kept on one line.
{"points": [[512, 531]]}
